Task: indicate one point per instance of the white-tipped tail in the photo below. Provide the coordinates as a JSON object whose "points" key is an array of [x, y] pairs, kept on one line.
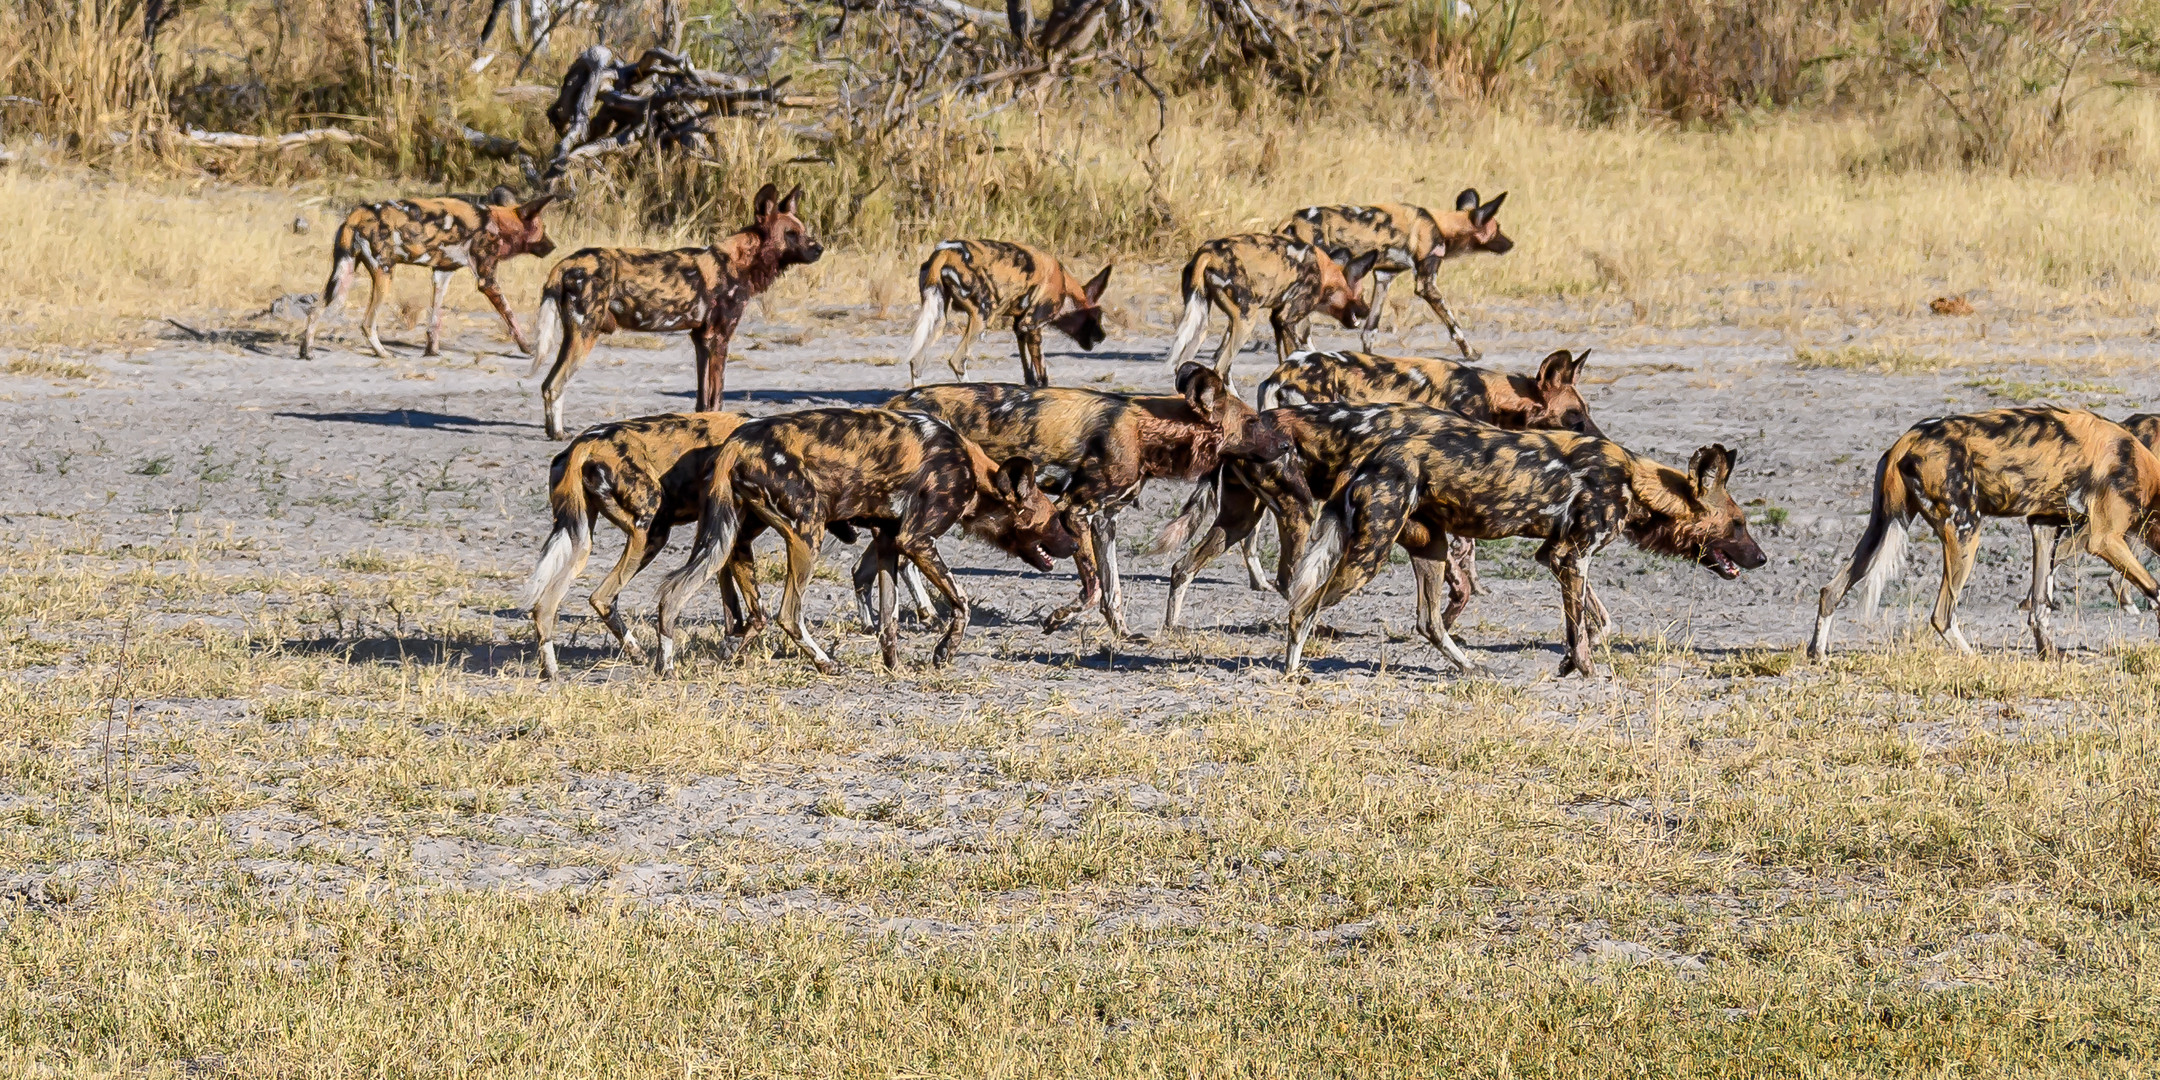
{"points": [[1191, 331], [715, 544], [927, 325], [1888, 562], [1323, 550], [558, 564], [1199, 512], [547, 334]]}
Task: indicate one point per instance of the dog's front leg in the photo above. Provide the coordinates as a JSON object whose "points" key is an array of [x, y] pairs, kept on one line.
{"points": [[1112, 589], [494, 295]]}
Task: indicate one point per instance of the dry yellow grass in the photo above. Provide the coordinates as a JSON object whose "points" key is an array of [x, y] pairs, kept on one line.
{"points": [[1914, 864], [1764, 225]]}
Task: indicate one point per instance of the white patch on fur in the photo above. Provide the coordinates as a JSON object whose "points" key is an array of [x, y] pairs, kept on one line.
{"points": [[779, 458], [556, 555], [1888, 562], [1190, 331], [458, 254], [547, 334]]}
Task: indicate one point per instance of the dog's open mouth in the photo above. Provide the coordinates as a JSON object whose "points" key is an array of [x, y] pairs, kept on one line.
{"points": [[1718, 564], [1036, 557]]}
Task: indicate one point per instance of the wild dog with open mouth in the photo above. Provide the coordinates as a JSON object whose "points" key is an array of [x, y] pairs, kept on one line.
{"points": [[1458, 477], [990, 279], [1548, 402], [908, 476], [1242, 274], [1096, 450], [703, 290], [1407, 238], [2056, 468], [445, 235], [1333, 436]]}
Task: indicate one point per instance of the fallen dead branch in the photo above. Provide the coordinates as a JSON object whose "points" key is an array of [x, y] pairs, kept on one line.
{"points": [[291, 140]]}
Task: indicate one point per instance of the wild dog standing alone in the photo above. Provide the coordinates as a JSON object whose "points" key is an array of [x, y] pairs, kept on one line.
{"points": [[1096, 451], [2056, 468], [445, 235], [1407, 238], [908, 476], [1463, 478], [703, 290], [1242, 274], [990, 279]]}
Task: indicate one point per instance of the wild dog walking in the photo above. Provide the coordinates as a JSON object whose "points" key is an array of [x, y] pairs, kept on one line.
{"points": [[908, 476], [991, 279], [1097, 450], [1462, 478], [646, 476], [1407, 239], [2056, 468], [1242, 274], [1548, 400], [445, 235], [703, 290], [1360, 401]]}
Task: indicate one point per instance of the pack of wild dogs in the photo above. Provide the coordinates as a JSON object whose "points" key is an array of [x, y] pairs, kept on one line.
{"points": [[1352, 454]]}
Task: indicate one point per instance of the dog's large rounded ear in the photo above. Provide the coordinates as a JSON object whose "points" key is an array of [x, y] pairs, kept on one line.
{"points": [[1202, 389], [787, 205], [1016, 481], [768, 197], [1710, 468], [1467, 201], [1483, 215], [530, 212], [1360, 266], [501, 195], [1095, 286], [1557, 370]]}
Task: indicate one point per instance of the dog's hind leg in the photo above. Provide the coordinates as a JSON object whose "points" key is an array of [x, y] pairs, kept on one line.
{"points": [[1233, 339], [2043, 542], [1429, 564], [1961, 548], [333, 298], [434, 312], [379, 276], [1113, 587]]}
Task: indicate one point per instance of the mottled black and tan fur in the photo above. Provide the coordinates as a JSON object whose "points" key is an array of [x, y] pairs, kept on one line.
{"points": [[907, 476], [2056, 468], [1241, 275], [1458, 477], [702, 290], [445, 235], [646, 476], [993, 279], [1547, 400], [1407, 239], [1096, 450]]}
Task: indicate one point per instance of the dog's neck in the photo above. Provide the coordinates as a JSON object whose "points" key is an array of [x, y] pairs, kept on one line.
{"points": [[751, 261], [1178, 449]]}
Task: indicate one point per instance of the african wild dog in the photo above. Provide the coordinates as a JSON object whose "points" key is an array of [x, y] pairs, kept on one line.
{"points": [[703, 290], [1458, 477], [2056, 468], [646, 476], [1096, 450], [1331, 438], [990, 279], [1242, 274], [1547, 400], [908, 476], [443, 234], [1407, 238]]}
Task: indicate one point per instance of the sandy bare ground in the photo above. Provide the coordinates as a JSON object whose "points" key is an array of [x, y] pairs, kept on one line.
{"points": [[294, 467]]}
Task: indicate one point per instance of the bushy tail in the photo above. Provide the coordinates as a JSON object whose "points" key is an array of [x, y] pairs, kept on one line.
{"points": [[1880, 555], [929, 321], [1197, 514], [563, 556], [718, 524], [1193, 328], [547, 336]]}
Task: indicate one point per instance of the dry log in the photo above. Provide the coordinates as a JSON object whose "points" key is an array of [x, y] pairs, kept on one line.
{"points": [[291, 140]]}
